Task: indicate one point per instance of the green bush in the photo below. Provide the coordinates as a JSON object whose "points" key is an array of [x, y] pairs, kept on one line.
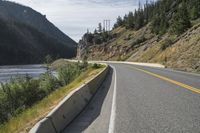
{"points": [[96, 66], [48, 82], [166, 43], [18, 94], [69, 72], [24, 91], [138, 41]]}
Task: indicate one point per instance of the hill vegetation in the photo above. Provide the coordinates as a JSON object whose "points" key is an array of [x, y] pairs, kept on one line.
{"points": [[22, 44], [15, 12], [165, 31], [165, 16], [27, 37]]}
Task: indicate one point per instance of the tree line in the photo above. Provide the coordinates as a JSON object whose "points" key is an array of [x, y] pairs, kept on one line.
{"points": [[174, 16]]}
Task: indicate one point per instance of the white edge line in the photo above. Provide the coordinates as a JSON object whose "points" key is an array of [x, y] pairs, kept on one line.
{"points": [[113, 109]]}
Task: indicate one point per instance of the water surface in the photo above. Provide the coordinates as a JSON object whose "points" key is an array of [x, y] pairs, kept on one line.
{"points": [[7, 72]]}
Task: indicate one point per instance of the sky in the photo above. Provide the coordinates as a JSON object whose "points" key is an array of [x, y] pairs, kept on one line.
{"points": [[74, 17]]}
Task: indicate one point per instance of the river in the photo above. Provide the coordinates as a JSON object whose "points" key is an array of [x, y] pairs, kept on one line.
{"points": [[6, 72]]}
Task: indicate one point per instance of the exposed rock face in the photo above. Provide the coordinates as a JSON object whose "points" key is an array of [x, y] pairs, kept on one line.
{"points": [[179, 52]]}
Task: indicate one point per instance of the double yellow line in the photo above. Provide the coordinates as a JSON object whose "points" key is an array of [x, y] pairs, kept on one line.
{"points": [[170, 80]]}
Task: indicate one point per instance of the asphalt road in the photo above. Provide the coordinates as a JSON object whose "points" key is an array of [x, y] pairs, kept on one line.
{"points": [[136, 99]]}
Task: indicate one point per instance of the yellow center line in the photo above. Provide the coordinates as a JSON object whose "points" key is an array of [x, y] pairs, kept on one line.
{"points": [[170, 80]]}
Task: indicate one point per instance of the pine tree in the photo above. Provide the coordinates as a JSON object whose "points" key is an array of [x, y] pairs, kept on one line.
{"points": [[100, 28], [119, 21], [155, 25], [180, 21], [146, 12], [130, 21], [162, 14], [139, 18], [95, 31], [194, 13], [125, 19]]}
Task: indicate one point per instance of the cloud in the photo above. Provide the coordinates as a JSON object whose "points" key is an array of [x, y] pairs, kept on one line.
{"points": [[74, 17]]}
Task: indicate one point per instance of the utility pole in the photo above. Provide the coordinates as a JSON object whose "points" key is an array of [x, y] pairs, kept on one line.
{"points": [[106, 25]]}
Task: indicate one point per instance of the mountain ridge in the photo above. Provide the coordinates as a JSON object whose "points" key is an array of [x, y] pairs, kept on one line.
{"points": [[15, 12], [23, 41]]}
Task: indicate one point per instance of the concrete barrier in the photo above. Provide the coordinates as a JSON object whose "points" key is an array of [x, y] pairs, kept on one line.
{"points": [[70, 106], [44, 126]]}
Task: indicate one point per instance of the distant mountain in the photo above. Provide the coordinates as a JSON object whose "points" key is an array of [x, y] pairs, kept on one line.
{"points": [[27, 37], [23, 44], [26, 15]]}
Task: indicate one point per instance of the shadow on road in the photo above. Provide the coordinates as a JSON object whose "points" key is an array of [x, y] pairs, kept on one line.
{"points": [[92, 110]]}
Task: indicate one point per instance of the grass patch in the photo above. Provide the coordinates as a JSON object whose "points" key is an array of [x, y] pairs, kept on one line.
{"points": [[24, 121]]}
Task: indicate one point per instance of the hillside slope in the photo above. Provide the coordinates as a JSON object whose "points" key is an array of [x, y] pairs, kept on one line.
{"points": [[168, 37], [27, 37], [181, 52], [15, 12], [23, 44]]}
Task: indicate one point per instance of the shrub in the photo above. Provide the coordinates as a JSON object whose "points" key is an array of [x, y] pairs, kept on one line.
{"points": [[24, 91], [48, 82], [166, 43], [69, 72], [17, 95], [138, 41], [96, 66]]}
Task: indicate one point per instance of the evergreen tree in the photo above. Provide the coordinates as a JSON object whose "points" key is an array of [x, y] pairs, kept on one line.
{"points": [[146, 10], [119, 21], [95, 31], [155, 26], [180, 21], [139, 18], [130, 21], [100, 28], [162, 14], [125, 19], [194, 13]]}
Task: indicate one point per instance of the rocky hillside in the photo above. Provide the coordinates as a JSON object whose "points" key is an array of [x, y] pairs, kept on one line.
{"points": [[174, 47], [27, 37], [181, 52]]}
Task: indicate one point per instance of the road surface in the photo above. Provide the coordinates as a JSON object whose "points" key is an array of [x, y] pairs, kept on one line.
{"points": [[136, 99]]}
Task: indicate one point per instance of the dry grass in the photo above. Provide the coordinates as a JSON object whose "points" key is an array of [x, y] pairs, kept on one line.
{"points": [[182, 53], [23, 122]]}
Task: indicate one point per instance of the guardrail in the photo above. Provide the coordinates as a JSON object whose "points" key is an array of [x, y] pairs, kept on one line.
{"points": [[70, 106]]}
